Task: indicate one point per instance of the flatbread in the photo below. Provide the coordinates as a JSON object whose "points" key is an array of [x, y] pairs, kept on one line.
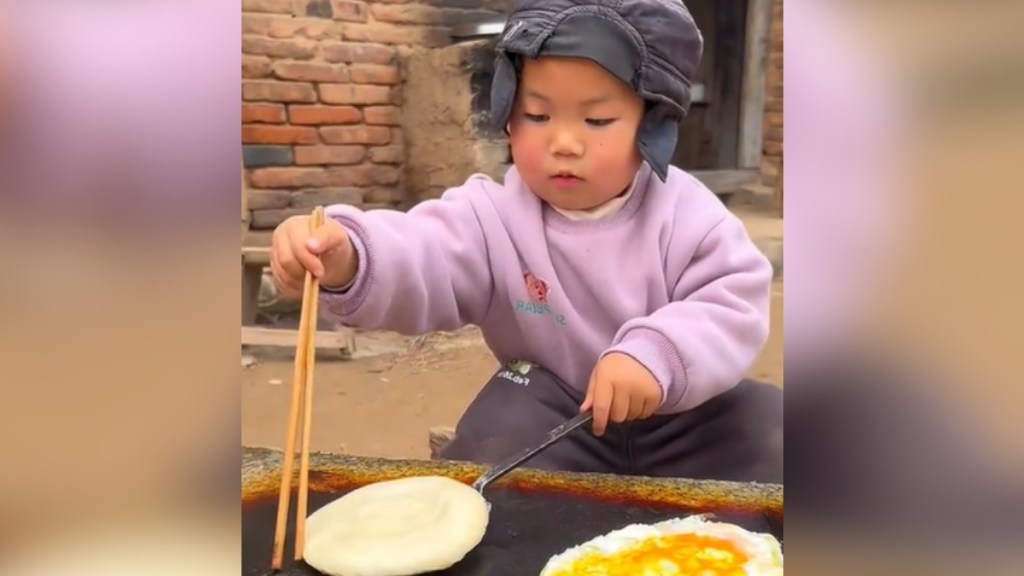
{"points": [[396, 528]]}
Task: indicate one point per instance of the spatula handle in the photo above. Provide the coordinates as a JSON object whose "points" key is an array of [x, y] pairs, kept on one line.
{"points": [[506, 466]]}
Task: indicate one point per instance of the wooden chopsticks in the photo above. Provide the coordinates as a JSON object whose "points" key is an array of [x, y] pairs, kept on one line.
{"points": [[302, 397]]}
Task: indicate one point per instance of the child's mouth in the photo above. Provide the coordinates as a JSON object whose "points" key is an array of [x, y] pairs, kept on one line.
{"points": [[566, 180]]}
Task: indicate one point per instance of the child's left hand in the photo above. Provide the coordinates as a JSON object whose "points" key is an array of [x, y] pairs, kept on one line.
{"points": [[620, 389]]}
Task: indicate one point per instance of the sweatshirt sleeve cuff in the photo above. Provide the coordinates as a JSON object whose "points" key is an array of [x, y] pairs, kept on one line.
{"points": [[659, 356], [345, 300]]}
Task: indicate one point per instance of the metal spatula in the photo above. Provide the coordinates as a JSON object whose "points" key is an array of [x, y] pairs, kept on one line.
{"points": [[510, 464]]}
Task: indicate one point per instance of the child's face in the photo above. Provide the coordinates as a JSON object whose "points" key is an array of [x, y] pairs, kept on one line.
{"points": [[573, 132]]}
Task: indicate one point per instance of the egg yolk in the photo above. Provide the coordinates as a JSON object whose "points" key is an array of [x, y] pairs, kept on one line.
{"points": [[682, 554]]}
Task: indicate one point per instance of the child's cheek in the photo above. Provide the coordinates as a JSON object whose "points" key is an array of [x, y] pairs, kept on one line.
{"points": [[618, 158], [527, 149]]}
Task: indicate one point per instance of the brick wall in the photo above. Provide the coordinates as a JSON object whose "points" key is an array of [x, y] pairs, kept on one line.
{"points": [[771, 164], [322, 98], [369, 103]]}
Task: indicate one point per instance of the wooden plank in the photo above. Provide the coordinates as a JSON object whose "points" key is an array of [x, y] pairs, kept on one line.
{"points": [[755, 63], [730, 18], [259, 238], [255, 256], [726, 181], [343, 339]]}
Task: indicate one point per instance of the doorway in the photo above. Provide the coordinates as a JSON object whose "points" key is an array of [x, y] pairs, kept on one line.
{"points": [[708, 137], [720, 139]]}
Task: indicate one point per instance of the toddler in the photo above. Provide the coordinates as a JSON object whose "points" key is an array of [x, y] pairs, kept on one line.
{"points": [[601, 277]]}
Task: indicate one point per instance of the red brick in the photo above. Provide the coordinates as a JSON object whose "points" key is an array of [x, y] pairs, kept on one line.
{"points": [[773, 148], [274, 6], [374, 74], [327, 196], [255, 67], [387, 155], [354, 94], [773, 119], [263, 114], [349, 10], [396, 96], [315, 115], [260, 134], [773, 104], [406, 14], [430, 37], [363, 175], [773, 134], [312, 28], [311, 72], [353, 52], [267, 199], [278, 91], [383, 196], [312, 8], [305, 155], [385, 174], [270, 219], [289, 177], [295, 48], [258, 24], [381, 115], [374, 135]]}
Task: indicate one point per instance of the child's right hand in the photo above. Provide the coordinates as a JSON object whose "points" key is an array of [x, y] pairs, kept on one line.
{"points": [[327, 253]]}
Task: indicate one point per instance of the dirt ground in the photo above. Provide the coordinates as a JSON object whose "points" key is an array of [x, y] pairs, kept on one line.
{"points": [[384, 400]]}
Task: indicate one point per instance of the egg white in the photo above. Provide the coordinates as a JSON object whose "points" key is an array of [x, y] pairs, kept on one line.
{"points": [[763, 551]]}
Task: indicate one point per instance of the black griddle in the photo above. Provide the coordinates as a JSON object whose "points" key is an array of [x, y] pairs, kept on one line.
{"points": [[527, 526]]}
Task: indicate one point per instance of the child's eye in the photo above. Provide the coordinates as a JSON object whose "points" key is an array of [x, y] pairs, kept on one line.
{"points": [[536, 117], [600, 121]]}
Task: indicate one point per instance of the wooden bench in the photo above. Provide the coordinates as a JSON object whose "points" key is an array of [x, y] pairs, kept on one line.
{"points": [[255, 259]]}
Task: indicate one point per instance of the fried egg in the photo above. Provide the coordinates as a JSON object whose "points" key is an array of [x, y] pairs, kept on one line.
{"points": [[691, 546]]}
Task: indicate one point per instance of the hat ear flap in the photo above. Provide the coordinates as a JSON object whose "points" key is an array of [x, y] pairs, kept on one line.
{"points": [[503, 91], [657, 138]]}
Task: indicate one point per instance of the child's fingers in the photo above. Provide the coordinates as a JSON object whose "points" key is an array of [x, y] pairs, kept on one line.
{"points": [[602, 404], [621, 403], [286, 286], [309, 261], [327, 237], [285, 268], [648, 407], [636, 407], [588, 401]]}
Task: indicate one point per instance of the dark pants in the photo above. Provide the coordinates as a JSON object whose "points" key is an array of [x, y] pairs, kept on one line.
{"points": [[736, 436]]}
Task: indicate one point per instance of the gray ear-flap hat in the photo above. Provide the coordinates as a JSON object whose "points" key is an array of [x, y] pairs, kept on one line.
{"points": [[654, 46]]}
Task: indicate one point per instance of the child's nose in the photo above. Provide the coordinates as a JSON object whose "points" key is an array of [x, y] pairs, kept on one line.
{"points": [[566, 143]]}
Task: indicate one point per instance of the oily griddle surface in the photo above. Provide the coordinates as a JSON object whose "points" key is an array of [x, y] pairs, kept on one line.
{"points": [[526, 528]]}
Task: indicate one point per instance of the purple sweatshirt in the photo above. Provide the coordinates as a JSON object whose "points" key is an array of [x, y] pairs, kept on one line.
{"points": [[671, 279]]}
